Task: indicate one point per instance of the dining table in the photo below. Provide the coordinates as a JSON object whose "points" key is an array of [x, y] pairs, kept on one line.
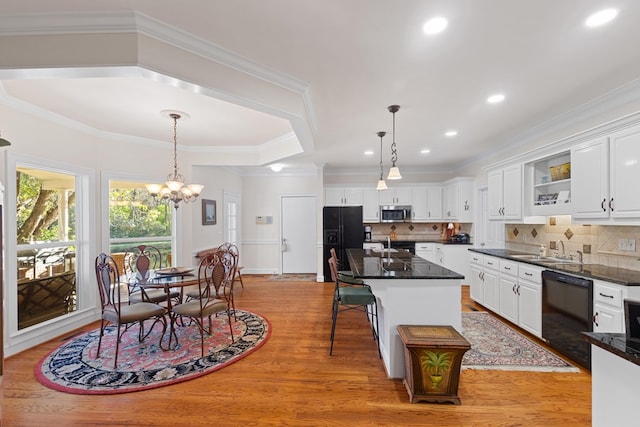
{"points": [[167, 279]]}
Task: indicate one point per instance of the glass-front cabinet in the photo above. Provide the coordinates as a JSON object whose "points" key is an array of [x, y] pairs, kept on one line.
{"points": [[549, 185]]}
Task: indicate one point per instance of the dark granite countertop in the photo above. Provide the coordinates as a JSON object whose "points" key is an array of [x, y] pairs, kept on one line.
{"points": [[617, 275], [616, 344], [371, 264], [444, 242]]}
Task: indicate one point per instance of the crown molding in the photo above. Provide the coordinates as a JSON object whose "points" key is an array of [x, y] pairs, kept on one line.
{"points": [[132, 21], [625, 94]]}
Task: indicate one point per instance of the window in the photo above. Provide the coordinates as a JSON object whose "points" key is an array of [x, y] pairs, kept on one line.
{"points": [[136, 218], [46, 245]]}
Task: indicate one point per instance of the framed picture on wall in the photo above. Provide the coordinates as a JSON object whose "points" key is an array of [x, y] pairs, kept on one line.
{"points": [[208, 212]]}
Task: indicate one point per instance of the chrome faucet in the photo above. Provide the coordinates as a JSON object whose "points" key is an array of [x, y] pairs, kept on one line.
{"points": [[579, 256], [561, 243], [388, 242]]}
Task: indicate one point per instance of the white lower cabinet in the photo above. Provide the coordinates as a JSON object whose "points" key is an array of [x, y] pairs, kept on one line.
{"points": [[426, 250], [608, 305], [508, 291], [490, 277], [476, 291], [511, 289], [456, 258], [530, 299]]}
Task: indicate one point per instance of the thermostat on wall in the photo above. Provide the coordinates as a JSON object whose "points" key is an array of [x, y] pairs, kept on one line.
{"points": [[264, 220]]}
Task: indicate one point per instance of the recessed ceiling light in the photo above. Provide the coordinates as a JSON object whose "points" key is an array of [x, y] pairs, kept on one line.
{"points": [[600, 18], [435, 25], [494, 99], [451, 133], [368, 153], [276, 167], [425, 151]]}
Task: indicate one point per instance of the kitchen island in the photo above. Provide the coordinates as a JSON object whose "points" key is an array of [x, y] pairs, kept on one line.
{"points": [[409, 291]]}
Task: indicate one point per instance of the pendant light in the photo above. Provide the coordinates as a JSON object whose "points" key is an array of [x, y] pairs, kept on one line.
{"points": [[4, 142], [381, 184], [174, 189], [394, 172]]}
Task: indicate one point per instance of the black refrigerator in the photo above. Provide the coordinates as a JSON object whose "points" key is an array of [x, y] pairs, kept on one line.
{"points": [[342, 229]]}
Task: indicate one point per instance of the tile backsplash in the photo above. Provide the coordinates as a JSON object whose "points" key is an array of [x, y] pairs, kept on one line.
{"points": [[599, 243], [416, 231]]}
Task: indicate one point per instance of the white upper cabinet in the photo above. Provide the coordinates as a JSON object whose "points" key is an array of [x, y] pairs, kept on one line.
{"points": [[426, 202], [419, 204], [456, 199], [343, 196], [371, 206], [605, 174], [505, 193], [396, 196], [625, 173], [590, 179], [434, 202]]}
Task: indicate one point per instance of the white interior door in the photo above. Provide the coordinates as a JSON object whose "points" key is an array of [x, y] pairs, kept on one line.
{"points": [[298, 237], [232, 217]]}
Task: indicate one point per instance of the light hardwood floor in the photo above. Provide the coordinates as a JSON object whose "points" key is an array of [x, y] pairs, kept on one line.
{"points": [[293, 381]]}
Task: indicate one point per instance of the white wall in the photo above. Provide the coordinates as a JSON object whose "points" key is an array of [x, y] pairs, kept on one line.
{"points": [[261, 197], [217, 181]]}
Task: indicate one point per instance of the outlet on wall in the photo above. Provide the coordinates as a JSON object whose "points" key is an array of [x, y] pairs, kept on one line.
{"points": [[627, 245]]}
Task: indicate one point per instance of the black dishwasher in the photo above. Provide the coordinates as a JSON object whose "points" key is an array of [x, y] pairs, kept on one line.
{"points": [[567, 309]]}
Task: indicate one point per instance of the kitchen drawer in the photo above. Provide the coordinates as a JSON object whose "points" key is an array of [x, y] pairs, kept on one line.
{"points": [[606, 294], [371, 245], [476, 258], [508, 267], [491, 262], [530, 273], [424, 247]]}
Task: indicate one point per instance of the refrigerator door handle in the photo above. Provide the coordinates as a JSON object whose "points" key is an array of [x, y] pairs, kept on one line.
{"points": [[283, 248]]}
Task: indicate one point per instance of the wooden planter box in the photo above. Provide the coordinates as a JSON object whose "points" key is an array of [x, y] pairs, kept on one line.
{"points": [[432, 359]]}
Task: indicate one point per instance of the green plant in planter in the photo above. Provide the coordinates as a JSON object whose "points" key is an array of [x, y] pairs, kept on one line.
{"points": [[435, 364]]}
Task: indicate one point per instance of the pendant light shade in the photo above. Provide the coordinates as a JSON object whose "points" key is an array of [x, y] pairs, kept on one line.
{"points": [[394, 172], [381, 184], [4, 142]]}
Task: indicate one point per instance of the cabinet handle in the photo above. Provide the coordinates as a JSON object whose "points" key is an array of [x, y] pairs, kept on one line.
{"points": [[513, 289], [605, 295], [595, 319], [527, 274], [508, 268], [489, 262], [518, 290], [611, 204], [602, 205]]}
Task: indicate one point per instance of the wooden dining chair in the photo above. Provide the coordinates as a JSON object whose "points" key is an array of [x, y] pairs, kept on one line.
{"points": [[119, 312], [213, 272]]}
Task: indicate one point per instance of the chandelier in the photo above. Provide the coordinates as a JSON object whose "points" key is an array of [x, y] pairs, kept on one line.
{"points": [[381, 184], [394, 172], [174, 189]]}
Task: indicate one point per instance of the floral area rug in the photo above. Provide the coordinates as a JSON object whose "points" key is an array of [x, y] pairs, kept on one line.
{"points": [[73, 367], [496, 346]]}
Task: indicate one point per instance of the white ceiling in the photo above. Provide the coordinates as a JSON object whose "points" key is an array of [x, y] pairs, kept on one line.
{"points": [[353, 59]]}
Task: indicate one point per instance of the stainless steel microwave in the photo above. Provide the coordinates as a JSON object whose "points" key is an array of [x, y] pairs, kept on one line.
{"points": [[395, 213]]}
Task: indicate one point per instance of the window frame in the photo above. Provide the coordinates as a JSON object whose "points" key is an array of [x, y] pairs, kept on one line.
{"points": [[106, 229], [85, 241]]}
